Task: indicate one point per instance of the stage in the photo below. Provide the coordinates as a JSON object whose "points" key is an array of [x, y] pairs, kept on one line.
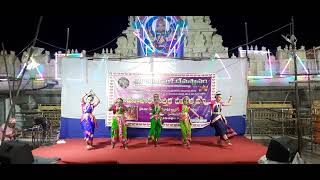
{"points": [[204, 150]]}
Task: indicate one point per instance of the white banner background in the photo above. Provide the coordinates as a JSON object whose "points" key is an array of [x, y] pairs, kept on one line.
{"points": [[81, 75]]}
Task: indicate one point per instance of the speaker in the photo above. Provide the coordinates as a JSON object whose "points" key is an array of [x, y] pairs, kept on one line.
{"points": [[282, 149], [13, 152]]}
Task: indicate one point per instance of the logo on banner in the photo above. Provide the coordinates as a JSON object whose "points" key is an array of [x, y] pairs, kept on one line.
{"points": [[123, 82]]}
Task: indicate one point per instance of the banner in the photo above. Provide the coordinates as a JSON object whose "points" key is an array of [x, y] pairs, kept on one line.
{"points": [[160, 36], [137, 91]]}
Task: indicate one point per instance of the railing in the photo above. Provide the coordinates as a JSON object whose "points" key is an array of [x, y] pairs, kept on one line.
{"points": [[269, 104], [273, 119], [45, 130], [315, 124], [270, 118], [52, 112]]}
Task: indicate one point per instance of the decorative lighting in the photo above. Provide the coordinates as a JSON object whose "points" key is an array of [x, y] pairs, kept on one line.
{"points": [[218, 57], [20, 73], [143, 42], [71, 55], [31, 66], [174, 34], [270, 64], [41, 75], [300, 61], [285, 67], [260, 77], [146, 34], [304, 67]]}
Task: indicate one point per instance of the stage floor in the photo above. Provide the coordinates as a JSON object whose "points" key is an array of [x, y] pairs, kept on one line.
{"points": [[204, 150]]}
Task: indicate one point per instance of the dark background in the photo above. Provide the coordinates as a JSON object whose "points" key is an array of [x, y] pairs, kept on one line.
{"points": [[90, 32]]}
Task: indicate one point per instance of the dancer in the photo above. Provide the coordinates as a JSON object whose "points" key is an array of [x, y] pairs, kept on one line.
{"points": [[219, 121], [88, 120], [156, 120], [185, 121], [119, 126]]}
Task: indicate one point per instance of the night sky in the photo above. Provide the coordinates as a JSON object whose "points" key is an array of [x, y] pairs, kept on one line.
{"points": [[89, 32]]}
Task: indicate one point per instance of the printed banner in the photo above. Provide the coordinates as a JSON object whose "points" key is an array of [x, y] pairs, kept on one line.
{"points": [[137, 91]]}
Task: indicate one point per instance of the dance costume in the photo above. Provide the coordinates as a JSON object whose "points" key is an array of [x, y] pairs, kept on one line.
{"points": [[88, 121], [118, 127], [219, 122], [185, 124], [156, 123]]}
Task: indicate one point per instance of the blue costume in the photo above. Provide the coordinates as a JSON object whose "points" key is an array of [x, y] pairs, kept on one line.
{"points": [[88, 121], [219, 122]]}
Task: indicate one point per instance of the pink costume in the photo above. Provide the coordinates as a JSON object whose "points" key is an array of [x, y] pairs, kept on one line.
{"points": [[9, 130]]}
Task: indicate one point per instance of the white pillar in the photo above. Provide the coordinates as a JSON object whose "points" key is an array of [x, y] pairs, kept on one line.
{"points": [[7, 105]]}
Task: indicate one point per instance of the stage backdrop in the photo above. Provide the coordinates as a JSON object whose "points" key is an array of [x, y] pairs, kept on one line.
{"points": [[81, 75], [137, 91]]}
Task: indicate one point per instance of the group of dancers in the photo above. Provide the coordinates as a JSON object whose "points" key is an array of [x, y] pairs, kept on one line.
{"points": [[119, 124]]}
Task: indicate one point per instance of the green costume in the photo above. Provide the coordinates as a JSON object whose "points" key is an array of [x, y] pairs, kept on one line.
{"points": [[156, 123], [185, 124]]}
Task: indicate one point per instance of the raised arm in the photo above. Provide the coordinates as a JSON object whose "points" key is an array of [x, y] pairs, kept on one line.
{"points": [[205, 103], [163, 111], [98, 102], [194, 112], [85, 94], [111, 107], [125, 108], [82, 98], [229, 102]]}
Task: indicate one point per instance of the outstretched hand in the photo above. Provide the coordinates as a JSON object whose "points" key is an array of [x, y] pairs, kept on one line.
{"points": [[90, 92]]}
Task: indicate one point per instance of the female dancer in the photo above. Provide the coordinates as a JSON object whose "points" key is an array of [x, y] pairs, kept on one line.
{"points": [[88, 120], [119, 126], [185, 121], [219, 121], [156, 120]]}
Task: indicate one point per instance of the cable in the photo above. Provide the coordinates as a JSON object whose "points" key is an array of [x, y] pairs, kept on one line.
{"points": [[25, 48], [105, 44], [228, 66], [50, 44], [252, 42], [16, 57], [260, 37]]}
